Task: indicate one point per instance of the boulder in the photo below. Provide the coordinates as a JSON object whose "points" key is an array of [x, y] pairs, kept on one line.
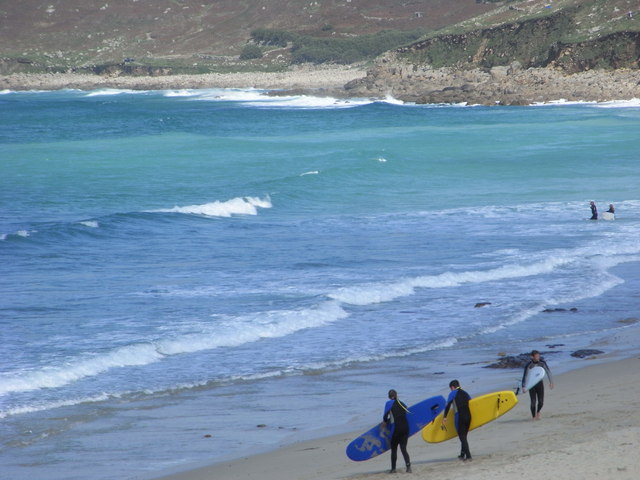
{"points": [[586, 353], [499, 72], [514, 361], [510, 361], [481, 304]]}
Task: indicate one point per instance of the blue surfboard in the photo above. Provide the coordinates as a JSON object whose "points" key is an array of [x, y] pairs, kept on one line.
{"points": [[378, 440]]}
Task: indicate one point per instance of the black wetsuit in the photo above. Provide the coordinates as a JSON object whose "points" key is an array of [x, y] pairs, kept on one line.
{"points": [[594, 212], [536, 393], [397, 415], [459, 399]]}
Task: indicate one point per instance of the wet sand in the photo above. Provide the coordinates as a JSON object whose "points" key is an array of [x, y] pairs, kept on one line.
{"points": [[590, 429]]}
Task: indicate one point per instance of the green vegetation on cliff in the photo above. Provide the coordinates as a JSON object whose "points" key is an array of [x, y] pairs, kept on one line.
{"points": [[191, 36], [538, 34], [343, 50]]}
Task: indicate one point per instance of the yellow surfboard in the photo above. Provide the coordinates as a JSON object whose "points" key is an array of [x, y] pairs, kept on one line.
{"points": [[484, 409]]}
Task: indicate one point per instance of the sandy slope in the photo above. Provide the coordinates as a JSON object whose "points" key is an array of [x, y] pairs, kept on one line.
{"points": [[590, 430]]}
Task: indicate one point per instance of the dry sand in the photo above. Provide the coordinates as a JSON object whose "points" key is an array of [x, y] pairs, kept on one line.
{"points": [[304, 77], [590, 429]]}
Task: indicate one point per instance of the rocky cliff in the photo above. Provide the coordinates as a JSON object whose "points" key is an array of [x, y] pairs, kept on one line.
{"points": [[533, 60], [538, 42]]}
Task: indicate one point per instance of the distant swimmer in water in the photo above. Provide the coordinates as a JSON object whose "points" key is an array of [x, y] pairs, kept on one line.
{"points": [[594, 211], [611, 208]]}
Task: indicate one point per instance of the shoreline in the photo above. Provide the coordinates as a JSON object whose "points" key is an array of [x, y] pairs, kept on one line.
{"points": [[507, 85], [591, 410], [296, 455]]}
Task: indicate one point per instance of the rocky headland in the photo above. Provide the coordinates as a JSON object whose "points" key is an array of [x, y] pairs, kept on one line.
{"points": [[500, 85], [504, 53]]}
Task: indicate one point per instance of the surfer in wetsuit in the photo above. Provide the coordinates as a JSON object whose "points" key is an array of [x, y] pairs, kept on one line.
{"points": [[459, 400], [594, 211], [612, 209], [536, 392], [395, 413]]}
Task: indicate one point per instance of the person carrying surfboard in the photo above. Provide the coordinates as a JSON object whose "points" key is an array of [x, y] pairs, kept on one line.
{"points": [[395, 413], [536, 392], [594, 211], [459, 400]]}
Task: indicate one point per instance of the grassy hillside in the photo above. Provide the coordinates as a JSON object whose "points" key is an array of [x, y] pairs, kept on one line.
{"points": [[151, 37], [197, 35], [592, 19]]}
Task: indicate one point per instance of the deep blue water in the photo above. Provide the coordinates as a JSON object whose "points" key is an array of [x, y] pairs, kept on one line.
{"points": [[168, 256]]}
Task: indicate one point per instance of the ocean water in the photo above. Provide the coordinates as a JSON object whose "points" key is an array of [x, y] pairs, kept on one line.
{"points": [[198, 274]]}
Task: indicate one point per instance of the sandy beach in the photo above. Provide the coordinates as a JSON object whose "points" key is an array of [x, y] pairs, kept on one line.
{"points": [[590, 429], [498, 86], [304, 77]]}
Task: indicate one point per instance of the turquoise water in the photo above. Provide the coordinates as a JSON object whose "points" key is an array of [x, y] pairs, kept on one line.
{"points": [[182, 263]]}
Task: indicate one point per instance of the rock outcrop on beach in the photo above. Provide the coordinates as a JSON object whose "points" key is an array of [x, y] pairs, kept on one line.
{"points": [[586, 353], [515, 361], [500, 85], [538, 57]]}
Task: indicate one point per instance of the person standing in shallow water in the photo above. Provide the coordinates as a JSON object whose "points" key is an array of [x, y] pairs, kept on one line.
{"points": [[395, 415], [536, 392], [594, 211], [459, 400]]}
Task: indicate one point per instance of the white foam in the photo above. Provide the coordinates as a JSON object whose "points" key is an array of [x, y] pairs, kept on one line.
{"points": [[593, 290], [574, 209], [273, 324], [90, 223], [235, 206], [633, 103], [19, 233], [44, 406], [386, 292], [181, 93], [307, 102], [562, 101], [392, 101], [312, 172], [233, 332], [5, 92], [262, 98], [54, 377], [226, 94], [113, 91]]}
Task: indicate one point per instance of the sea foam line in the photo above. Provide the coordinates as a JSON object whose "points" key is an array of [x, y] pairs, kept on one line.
{"points": [[234, 332], [114, 91], [258, 98], [235, 206], [253, 328], [387, 292], [279, 372], [306, 102], [19, 233], [274, 324]]}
